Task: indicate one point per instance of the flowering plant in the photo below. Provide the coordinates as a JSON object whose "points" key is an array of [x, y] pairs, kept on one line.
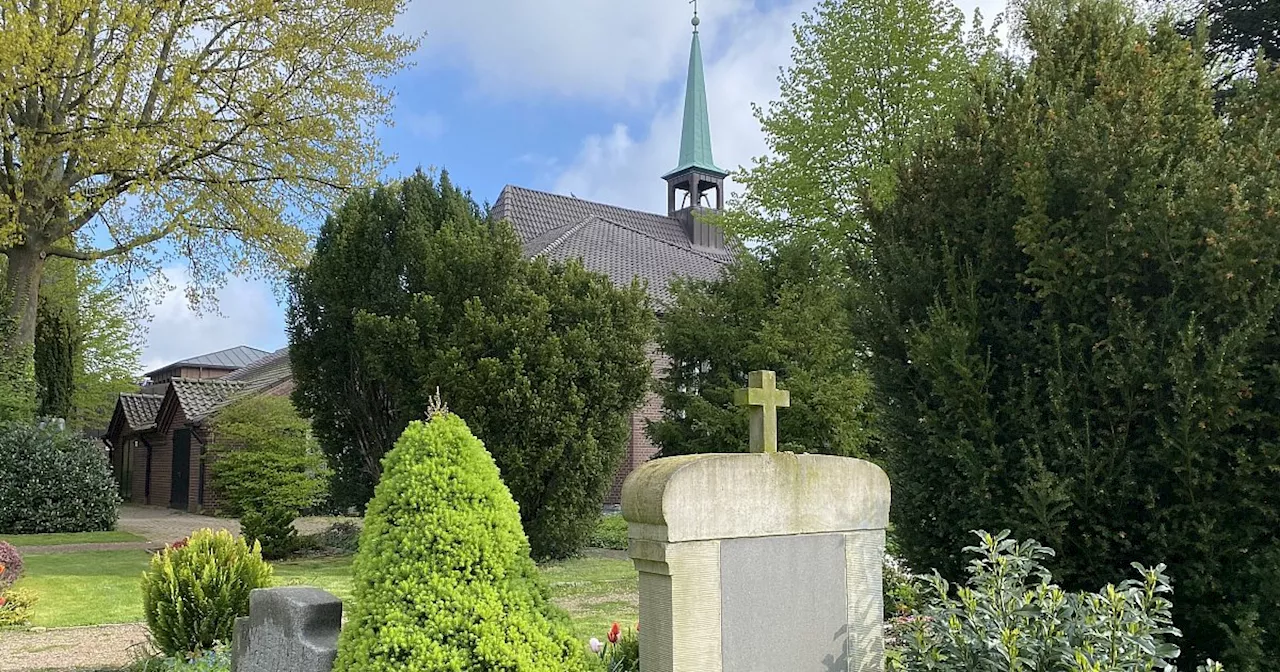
{"points": [[621, 653], [10, 565]]}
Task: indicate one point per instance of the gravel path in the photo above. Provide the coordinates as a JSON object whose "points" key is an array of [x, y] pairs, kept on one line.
{"points": [[97, 647]]}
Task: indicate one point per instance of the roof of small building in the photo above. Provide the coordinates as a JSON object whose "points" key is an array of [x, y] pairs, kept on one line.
{"points": [[231, 358], [140, 409], [265, 375], [200, 397], [618, 242]]}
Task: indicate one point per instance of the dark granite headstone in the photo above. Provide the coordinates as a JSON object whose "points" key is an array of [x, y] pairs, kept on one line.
{"points": [[292, 629]]}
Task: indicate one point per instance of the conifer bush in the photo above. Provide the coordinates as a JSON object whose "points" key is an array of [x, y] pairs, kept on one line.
{"points": [[443, 578], [195, 589]]}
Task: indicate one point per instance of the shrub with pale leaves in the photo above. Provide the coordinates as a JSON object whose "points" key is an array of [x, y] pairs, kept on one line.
{"points": [[1010, 616]]}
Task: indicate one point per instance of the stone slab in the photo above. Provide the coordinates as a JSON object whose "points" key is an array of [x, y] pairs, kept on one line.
{"points": [[290, 629], [785, 604]]}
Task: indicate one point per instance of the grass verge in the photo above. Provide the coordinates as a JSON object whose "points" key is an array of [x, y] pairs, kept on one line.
{"points": [[100, 587], [64, 538]]}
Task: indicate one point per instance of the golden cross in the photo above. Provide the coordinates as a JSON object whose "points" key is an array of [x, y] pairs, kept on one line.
{"points": [[764, 398]]}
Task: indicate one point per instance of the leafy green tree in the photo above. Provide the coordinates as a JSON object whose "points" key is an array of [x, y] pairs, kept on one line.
{"points": [[785, 311], [17, 375], [265, 458], [91, 337], [216, 126], [869, 80], [466, 595], [411, 290], [1074, 323]]}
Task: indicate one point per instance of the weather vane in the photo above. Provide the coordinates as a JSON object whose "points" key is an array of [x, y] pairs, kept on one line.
{"points": [[695, 14]]}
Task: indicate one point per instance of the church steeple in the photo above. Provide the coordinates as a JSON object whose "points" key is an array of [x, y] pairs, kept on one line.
{"points": [[696, 173]]}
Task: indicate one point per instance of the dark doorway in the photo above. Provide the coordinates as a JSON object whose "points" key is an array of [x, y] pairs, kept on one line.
{"points": [[181, 480]]}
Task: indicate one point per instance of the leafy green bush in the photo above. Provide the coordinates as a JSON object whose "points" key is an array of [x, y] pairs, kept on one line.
{"points": [[272, 529], [1010, 616], [53, 481], [903, 590], [196, 588], [265, 457], [10, 565], [464, 594], [610, 532], [16, 605]]}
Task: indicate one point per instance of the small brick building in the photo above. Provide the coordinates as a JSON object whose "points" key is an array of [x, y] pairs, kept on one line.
{"points": [[157, 437]]}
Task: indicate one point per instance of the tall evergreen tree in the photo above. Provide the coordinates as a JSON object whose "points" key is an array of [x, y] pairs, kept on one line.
{"points": [[55, 357], [412, 289], [785, 311], [1075, 323]]}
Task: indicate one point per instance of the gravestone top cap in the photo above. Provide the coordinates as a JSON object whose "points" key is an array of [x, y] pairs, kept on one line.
{"points": [[725, 496]]}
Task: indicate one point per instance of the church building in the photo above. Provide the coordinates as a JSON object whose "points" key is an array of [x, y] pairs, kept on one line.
{"points": [[625, 244]]}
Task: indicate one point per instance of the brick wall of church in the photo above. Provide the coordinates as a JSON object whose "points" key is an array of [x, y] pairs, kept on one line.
{"points": [[640, 449]]}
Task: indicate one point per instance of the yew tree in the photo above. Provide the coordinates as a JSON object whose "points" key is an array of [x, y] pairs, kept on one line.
{"points": [[216, 126], [1075, 322]]}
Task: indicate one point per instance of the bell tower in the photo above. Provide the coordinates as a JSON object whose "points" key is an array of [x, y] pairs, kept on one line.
{"points": [[696, 185]]}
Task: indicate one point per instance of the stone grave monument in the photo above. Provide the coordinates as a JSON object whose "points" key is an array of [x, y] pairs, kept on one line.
{"points": [[759, 562], [290, 629]]}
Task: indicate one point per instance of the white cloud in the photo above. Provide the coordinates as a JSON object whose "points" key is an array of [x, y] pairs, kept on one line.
{"points": [[624, 166], [247, 314], [611, 50]]}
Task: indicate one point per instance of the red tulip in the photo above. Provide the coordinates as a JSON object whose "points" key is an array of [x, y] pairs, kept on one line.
{"points": [[613, 633]]}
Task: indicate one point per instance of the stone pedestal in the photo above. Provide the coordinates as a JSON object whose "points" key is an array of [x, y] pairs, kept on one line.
{"points": [[290, 629], [759, 562]]}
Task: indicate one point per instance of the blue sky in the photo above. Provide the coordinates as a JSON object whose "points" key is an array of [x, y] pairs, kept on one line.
{"points": [[569, 96]]}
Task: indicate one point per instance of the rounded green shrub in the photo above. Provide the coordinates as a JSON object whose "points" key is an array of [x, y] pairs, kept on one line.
{"points": [[443, 579], [195, 589], [272, 529], [53, 481]]}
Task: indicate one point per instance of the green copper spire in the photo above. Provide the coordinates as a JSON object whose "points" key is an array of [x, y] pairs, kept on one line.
{"points": [[695, 139]]}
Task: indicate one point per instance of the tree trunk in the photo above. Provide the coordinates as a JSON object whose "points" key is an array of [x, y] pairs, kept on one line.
{"points": [[22, 289]]}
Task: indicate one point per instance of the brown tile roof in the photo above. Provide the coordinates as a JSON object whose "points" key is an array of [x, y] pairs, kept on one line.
{"points": [[201, 397], [140, 409], [620, 243]]}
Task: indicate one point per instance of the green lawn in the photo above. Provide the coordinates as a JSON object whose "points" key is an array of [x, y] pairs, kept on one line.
{"points": [[63, 539], [97, 587]]}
